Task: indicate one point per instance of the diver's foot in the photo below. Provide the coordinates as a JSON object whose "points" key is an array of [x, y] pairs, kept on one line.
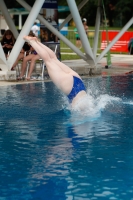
{"points": [[29, 39]]}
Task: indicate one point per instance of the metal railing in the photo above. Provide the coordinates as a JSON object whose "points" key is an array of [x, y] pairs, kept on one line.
{"points": [[71, 36]]}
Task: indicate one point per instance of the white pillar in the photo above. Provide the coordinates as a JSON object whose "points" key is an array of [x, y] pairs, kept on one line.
{"points": [[123, 30], [3, 62], [69, 17], [8, 18], [55, 31], [80, 28], [25, 31], [97, 27], [20, 21]]}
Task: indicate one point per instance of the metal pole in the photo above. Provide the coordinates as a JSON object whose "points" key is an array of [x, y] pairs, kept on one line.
{"points": [[80, 28], [69, 17], [123, 30], [97, 27], [20, 21], [55, 31], [25, 31], [8, 18]]}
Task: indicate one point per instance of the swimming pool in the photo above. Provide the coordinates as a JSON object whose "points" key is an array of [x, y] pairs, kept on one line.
{"points": [[47, 152]]}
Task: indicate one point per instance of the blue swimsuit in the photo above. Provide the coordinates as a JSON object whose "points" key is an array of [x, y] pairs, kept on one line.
{"points": [[78, 86]]}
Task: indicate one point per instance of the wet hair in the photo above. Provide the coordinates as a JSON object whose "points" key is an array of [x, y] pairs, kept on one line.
{"points": [[8, 32]]}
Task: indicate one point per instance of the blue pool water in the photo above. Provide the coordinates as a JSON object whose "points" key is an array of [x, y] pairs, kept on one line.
{"points": [[48, 152]]}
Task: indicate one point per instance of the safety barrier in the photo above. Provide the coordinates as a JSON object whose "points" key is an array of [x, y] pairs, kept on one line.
{"points": [[71, 36], [121, 45]]}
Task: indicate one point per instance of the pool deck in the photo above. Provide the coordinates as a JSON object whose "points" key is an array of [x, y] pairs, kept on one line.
{"points": [[121, 65]]}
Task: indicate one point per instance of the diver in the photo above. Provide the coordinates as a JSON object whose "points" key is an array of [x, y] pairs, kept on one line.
{"points": [[67, 80]]}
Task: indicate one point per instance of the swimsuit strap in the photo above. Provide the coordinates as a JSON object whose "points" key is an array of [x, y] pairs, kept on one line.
{"points": [[78, 86]]}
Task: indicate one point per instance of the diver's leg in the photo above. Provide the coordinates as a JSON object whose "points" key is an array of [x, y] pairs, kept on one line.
{"points": [[47, 54], [63, 80], [50, 52], [52, 55], [44, 52], [64, 67]]}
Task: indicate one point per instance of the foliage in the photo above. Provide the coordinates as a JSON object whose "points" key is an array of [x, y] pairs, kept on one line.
{"points": [[119, 12], [88, 11], [15, 4], [124, 8]]}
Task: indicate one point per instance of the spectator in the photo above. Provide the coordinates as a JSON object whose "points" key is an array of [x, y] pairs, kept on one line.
{"points": [[33, 57], [53, 38], [130, 46], [35, 29], [7, 42], [84, 20], [78, 41], [24, 51], [55, 16], [44, 36]]}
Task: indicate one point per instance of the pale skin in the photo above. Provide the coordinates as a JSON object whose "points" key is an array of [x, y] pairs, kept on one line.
{"points": [[85, 27], [60, 74]]}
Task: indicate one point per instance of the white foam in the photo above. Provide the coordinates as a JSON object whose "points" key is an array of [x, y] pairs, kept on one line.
{"points": [[128, 102], [90, 106]]}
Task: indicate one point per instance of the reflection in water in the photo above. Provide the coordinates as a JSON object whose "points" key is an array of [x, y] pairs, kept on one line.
{"points": [[48, 152]]}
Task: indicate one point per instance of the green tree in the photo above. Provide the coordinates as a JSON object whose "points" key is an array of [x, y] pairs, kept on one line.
{"points": [[119, 12], [88, 11], [125, 10], [15, 4]]}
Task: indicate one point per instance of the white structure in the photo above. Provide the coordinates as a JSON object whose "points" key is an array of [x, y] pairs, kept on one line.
{"points": [[89, 56], [19, 12], [3, 24]]}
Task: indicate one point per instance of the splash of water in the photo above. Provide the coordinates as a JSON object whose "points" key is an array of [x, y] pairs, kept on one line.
{"points": [[128, 102], [89, 108]]}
